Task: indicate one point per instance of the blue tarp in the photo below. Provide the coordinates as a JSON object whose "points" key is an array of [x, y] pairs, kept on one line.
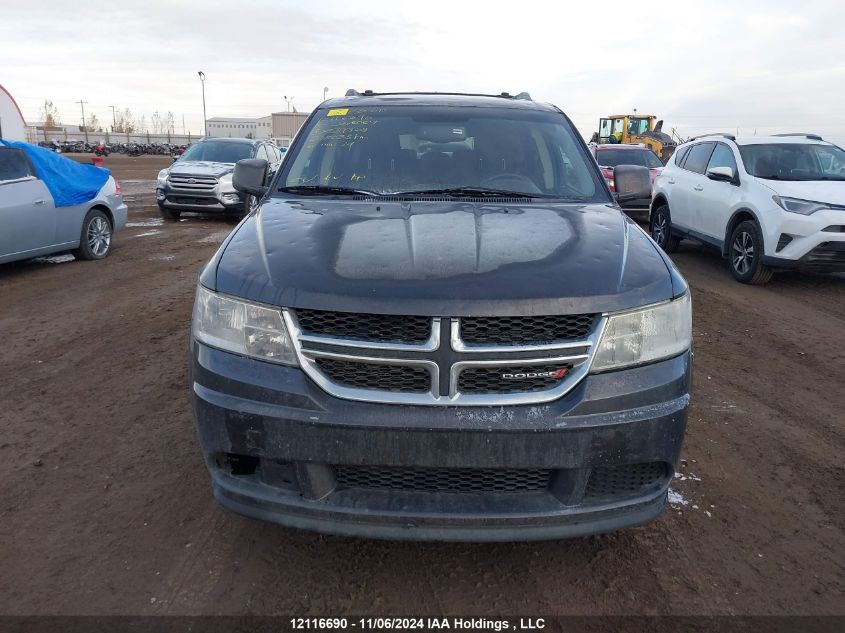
{"points": [[70, 183]]}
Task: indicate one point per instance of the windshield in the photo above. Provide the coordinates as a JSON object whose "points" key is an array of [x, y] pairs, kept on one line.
{"points": [[794, 161], [218, 152], [615, 157], [411, 149]]}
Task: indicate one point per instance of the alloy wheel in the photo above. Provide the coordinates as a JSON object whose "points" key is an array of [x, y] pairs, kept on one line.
{"points": [[99, 236], [742, 252], [660, 228]]}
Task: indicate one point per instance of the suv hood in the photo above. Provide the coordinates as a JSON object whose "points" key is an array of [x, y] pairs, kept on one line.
{"points": [[832, 191], [201, 168], [451, 258]]}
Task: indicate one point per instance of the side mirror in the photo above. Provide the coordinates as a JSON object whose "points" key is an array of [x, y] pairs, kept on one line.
{"points": [[725, 174], [250, 176], [632, 182], [175, 158]]}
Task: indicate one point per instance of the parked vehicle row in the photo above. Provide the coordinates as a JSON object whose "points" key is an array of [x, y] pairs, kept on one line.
{"points": [[104, 149]]}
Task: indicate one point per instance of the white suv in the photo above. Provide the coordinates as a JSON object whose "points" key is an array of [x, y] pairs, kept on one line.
{"points": [[766, 202]]}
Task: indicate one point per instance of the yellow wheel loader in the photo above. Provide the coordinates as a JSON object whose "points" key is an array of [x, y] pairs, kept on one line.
{"points": [[636, 128]]}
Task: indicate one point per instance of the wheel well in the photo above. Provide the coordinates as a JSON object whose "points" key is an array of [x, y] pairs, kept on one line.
{"points": [[658, 200], [106, 210], [740, 216]]}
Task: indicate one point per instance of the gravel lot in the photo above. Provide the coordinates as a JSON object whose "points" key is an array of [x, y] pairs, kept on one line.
{"points": [[106, 507]]}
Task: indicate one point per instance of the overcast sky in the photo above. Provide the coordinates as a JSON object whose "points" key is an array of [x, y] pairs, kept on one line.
{"points": [[768, 66]]}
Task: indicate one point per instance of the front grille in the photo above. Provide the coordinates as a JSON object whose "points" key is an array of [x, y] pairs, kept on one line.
{"points": [[622, 481], [835, 228], [375, 327], [517, 379], [525, 330], [443, 479], [194, 183], [379, 377]]}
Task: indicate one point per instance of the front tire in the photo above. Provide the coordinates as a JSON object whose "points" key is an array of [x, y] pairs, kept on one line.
{"points": [[745, 254], [660, 227], [169, 214], [95, 240]]}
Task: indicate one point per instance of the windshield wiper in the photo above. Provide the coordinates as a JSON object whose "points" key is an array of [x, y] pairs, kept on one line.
{"points": [[320, 189], [471, 192]]}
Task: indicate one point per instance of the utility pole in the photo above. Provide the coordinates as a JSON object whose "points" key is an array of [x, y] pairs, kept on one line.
{"points": [[84, 127], [325, 91], [113, 119]]}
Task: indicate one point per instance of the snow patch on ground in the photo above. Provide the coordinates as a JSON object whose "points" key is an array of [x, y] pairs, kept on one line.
{"points": [[148, 233], [676, 498], [164, 258], [147, 222]]}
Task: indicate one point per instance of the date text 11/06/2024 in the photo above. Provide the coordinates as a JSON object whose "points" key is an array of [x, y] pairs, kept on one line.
{"points": [[421, 624]]}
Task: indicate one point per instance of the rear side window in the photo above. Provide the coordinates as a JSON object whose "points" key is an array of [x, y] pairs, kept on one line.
{"points": [[14, 164], [698, 157], [722, 157], [681, 154]]}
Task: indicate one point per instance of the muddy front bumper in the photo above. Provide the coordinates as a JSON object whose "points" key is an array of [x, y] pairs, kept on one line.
{"points": [[598, 459]]}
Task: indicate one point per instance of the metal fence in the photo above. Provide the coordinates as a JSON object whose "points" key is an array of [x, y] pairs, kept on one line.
{"points": [[35, 135]]}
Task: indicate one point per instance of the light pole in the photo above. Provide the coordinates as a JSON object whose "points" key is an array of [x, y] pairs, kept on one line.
{"points": [[325, 91], [204, 117], [288, 102]]}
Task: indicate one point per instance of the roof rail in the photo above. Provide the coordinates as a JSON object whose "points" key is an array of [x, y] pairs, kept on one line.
{"points": [[730, 137], [522, 96], [814, 137]]}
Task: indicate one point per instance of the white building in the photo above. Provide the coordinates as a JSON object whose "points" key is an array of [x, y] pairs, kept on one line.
{"points": [[12, 125], [235, 127]]}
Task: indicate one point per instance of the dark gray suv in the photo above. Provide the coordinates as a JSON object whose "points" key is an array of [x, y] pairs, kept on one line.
{"points": [[200, 180], [438, 324]]}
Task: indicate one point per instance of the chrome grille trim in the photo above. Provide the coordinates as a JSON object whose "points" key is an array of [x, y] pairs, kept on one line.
{"points": [[201, 183], [576, 353]]}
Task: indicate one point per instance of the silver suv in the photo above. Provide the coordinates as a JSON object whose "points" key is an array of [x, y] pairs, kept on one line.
{"points": [[201, 179]]}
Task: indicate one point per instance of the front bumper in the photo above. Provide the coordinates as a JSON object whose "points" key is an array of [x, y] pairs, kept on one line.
{"points": [[276, 445], [815, 242], [212, 201]]}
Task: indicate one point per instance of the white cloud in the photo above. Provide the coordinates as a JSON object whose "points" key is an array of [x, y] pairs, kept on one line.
{"points": [[700, 66]]}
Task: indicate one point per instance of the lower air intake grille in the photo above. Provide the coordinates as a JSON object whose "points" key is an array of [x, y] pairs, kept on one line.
{"points": [[511, 379], [382, 377], [525, 330], [622, 481], [442, 479], [373, 327]]}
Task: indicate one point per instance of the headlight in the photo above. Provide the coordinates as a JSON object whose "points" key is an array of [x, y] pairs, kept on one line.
{"points": [[644, 336], [242, 328], [225, 182], [796, 205], [162, 178]]}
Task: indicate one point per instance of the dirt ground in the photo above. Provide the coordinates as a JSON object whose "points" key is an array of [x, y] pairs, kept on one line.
{"points": [[106, 507]]}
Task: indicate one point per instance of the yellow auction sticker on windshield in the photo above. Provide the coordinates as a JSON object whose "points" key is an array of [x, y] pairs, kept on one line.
{"points": [[338, 112]]}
